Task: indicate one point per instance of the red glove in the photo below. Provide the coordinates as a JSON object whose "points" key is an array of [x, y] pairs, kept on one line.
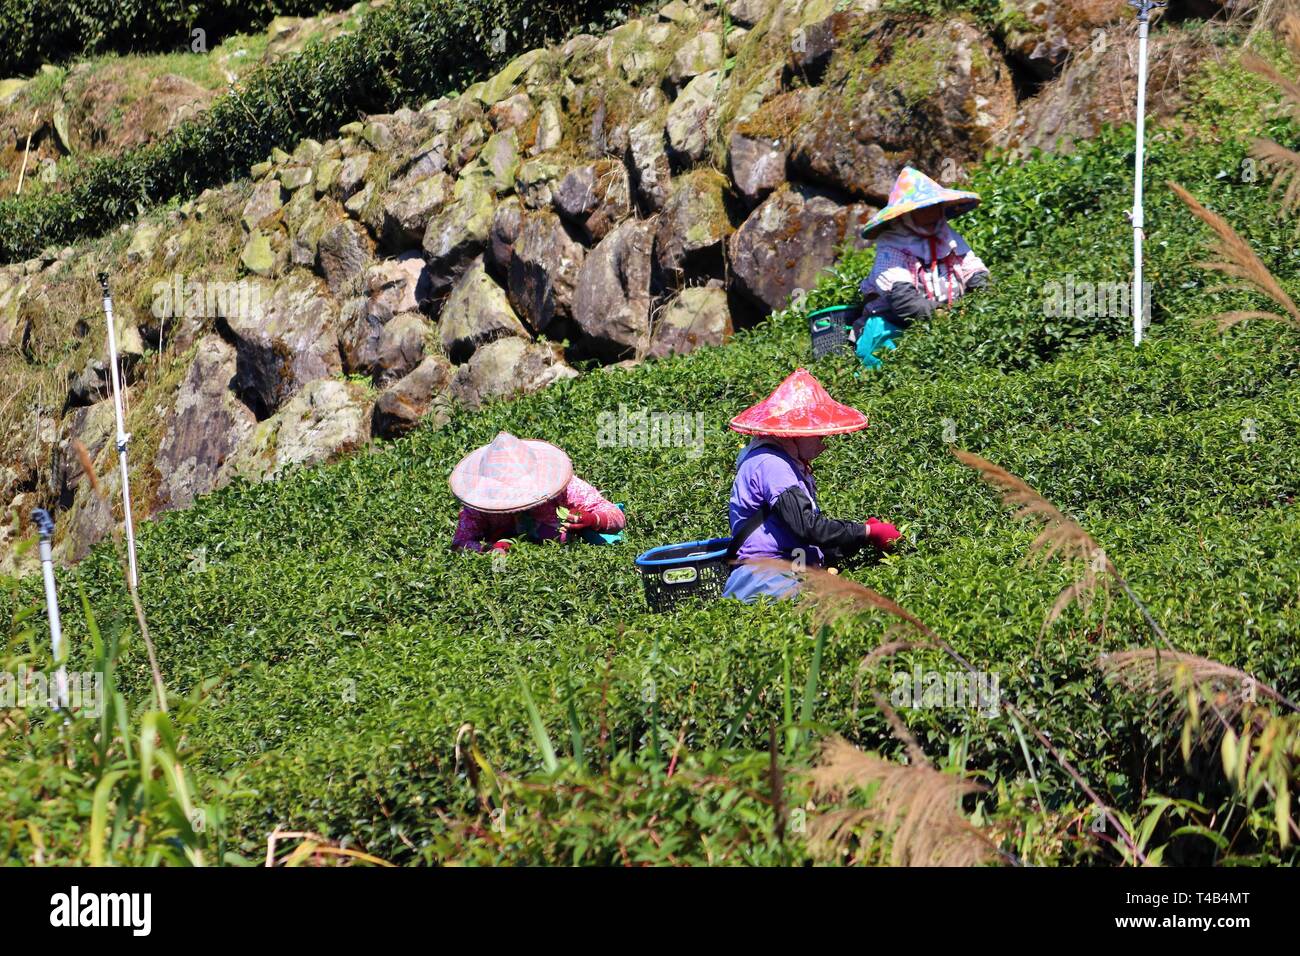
{"points": [[578, 521], [882, 534], [502, 546]]}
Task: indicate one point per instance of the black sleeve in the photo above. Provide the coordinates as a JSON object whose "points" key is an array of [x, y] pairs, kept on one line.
{"points": [[795, 509], [979, 280], [908, 304]]}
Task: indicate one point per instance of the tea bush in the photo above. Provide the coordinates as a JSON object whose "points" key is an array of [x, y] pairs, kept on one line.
{"points": [[347, 646], [33, 32]]}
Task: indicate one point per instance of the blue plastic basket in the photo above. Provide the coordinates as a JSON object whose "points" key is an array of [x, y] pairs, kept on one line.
{"points": [[674, 573]]}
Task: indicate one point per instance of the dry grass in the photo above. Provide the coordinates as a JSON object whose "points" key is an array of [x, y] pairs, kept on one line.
{"points": [[87, 466], [1233, 257], [1283, 162], [1180, 685], [842, 599], [1285, 166], [1060, 537], [914, 808]]}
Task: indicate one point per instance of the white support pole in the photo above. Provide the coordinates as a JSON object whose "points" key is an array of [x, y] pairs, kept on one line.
{"points": [[45, 527], [1144, 8], [122, 436]]}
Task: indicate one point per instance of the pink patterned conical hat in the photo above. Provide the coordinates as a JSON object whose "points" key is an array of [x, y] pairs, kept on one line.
{"points": [[511, 474], [799, 407]]}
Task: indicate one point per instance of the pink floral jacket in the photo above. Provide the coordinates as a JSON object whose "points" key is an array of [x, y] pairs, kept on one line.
{"points": [[479, 529]]}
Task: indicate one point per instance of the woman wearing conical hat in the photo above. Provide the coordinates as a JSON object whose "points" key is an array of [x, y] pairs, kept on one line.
{"points": [[515, 488], [773, 508], [921, 262]]}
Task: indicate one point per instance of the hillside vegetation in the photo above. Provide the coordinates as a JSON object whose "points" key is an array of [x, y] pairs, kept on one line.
{"points": [[333, 668], [56, 120], [340, 647]]}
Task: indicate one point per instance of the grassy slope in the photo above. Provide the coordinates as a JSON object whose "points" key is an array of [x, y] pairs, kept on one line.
{"points": [[340, 575], [131, 75]]}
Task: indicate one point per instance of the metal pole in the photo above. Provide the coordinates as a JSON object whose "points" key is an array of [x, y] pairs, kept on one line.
{"points": [[1144, 8], [122, 436], [45, 527]]}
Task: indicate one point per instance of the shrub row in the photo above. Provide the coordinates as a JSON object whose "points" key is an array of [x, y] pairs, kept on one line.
{"points": [[33, 32], [405, 50]]}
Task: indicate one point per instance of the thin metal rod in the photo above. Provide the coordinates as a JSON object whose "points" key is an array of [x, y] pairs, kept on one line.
{"points": [[122, 437], [45, 527], [1144, 8]]}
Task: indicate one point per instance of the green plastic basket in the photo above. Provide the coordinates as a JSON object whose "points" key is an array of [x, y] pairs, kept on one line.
{"points": [[829, 328]]}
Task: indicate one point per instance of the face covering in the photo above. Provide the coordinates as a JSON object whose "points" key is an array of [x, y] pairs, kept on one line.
{"points": [[933, 230]]}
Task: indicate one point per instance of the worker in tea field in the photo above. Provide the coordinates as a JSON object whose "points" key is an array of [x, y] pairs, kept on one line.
{"points": [[515, 488], [921, 262], [773, 509]]}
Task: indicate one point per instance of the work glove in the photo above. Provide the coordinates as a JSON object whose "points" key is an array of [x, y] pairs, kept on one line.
{"points": [[882, 534], [578, 521], [503, 546]]}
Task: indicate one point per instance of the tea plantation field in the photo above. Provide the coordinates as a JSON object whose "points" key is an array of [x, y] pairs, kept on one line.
{"points": [[339, 647]]}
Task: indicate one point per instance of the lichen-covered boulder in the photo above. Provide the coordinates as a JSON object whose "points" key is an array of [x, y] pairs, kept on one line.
{"points": [[401, 346], [1085, 97], [351, 176], [511, 112], [476, 312], [205, 426], [647, 159], [550, 128], [927, 93], [263, 205], [507, 220], [328, 419], [419, 396], [361, 323], [287, 339], [535, 182], [506, 367], [595, 197], [305, 242], [690, 231], [543, 269], [345, 251], [693, 118], [611, 302], [497, 161], [756, 164], [700, 54], [94, 427], [458, 233], [787, 241], [409, 205], [696, 316], [402, 284], [93, 382], [1042, 35]]}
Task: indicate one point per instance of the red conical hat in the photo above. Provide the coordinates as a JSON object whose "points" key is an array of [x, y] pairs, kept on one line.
{"points": [[799, 407], [511, 474]]}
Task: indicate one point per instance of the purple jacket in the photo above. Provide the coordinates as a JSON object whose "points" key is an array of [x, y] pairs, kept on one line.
{"points": [[762, 473]]}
